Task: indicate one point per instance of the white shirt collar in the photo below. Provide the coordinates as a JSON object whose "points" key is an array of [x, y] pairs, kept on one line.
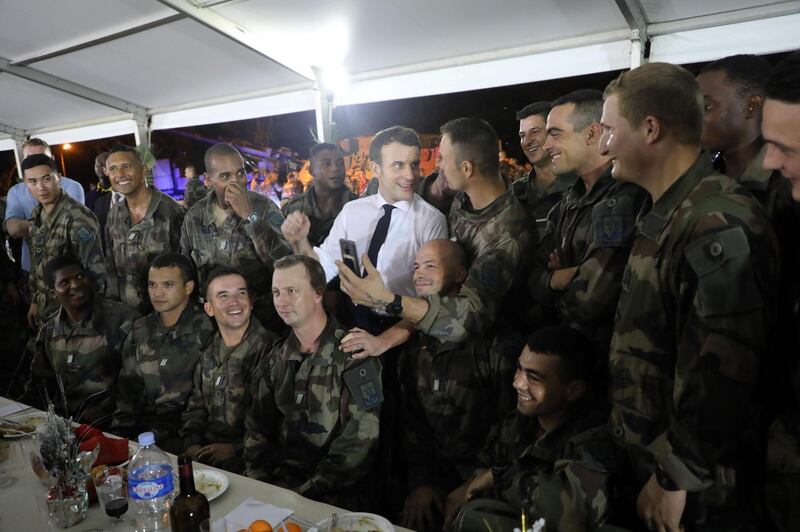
{"points": [[403, 205]]}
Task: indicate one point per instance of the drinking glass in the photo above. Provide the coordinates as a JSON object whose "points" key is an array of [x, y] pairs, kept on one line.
{"points": [[112, 491]]}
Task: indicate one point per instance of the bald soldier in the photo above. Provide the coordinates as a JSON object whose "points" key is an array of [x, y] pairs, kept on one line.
{"points": [[451, 394], [235, 227]]}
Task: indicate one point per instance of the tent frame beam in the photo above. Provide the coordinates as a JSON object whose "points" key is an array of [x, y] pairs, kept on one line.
{"points": [[240, 35], [722, 19], [636, 17], [60, 84], [101, 40]]}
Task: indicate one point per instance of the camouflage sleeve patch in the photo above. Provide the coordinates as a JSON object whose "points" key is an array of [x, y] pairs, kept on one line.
{"points": [[721, 260], [84, 234]]}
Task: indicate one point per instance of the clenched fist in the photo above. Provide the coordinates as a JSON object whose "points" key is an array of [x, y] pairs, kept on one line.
{"points": [[295, 228]]}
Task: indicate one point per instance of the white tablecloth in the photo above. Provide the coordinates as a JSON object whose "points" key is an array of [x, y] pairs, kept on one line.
{"points": [[21, 496]]}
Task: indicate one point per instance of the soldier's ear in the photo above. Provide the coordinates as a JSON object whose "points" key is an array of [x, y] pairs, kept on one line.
{"points": [[461, 274], [575, 390], [467, 168], [188, 286], [208, 309], [593, 133], [651, 127], [754, 104]]}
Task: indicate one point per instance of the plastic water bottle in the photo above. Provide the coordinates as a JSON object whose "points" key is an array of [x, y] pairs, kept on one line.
{"points": [[150, 485]]}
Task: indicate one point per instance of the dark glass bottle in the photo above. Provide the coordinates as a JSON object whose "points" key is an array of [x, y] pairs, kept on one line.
{"points": [[189, 512]]}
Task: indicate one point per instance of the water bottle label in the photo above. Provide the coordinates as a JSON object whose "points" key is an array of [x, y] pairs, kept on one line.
{"points": [[142, 489]]}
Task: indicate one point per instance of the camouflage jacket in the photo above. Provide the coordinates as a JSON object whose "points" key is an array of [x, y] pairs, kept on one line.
{"points": [[131, 248], [537, 202], [451, 396], [158, 364], [593, 231], [321, 223], [86, 356], [496, 239], [72, 229], [249, 247], [691, 331], [222, 389], [194, 191], [565, 476], [305, 430]]}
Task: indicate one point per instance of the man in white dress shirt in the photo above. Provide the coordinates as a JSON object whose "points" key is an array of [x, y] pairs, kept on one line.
{"points": [[394, 154]]}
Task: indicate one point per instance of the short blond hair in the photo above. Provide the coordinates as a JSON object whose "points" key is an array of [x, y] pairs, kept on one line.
{"points": [[667, 92]]}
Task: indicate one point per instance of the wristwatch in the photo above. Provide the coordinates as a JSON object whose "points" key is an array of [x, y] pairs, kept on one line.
{"points": [[395, 308], [251, 218]]}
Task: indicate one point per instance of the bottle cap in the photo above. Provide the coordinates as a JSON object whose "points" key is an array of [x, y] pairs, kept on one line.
{"points": [[146, 438]]}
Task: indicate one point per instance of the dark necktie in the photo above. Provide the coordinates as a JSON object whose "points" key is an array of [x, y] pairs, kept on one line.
{"points": [[363, 314], [379, 236]]}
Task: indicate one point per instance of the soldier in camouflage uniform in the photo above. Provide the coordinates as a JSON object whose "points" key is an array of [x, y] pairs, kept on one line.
{"points": [[694, 316], [235, 227], [213, 423], [80, 344], [144, 224], [195, 190], [733, 93], [160, 355], [578, 266], [782, 136], [553, 457], [313, 426], [324, 199], [451, 394], [541, 189], [487, 220], [59, 226]]}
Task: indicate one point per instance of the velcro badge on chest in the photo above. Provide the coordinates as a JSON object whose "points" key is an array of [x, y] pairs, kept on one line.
{"points": [[610, 231], [84, 235], [364, 384], [612, 222]]}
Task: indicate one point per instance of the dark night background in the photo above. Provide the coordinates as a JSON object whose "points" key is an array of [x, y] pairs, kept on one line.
{"points": [[424, 114]]}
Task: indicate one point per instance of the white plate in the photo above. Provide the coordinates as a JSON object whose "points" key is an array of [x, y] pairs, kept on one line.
{"points": [[210, 483], [32, 420], [356, 522]]}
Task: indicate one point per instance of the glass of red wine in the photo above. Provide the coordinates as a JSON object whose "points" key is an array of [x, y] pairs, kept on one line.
{"points": [[112, 491]]}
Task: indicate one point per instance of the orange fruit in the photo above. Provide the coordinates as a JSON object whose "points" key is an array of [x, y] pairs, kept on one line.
{"points": [[292, 527], [259, 525]]}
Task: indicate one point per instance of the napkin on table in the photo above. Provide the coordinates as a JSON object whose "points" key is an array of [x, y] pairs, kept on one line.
{"points": [[249, 511], [112, 450]]}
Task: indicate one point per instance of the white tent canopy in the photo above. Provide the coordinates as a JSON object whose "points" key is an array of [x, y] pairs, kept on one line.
{"points": [[84, 69]]}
